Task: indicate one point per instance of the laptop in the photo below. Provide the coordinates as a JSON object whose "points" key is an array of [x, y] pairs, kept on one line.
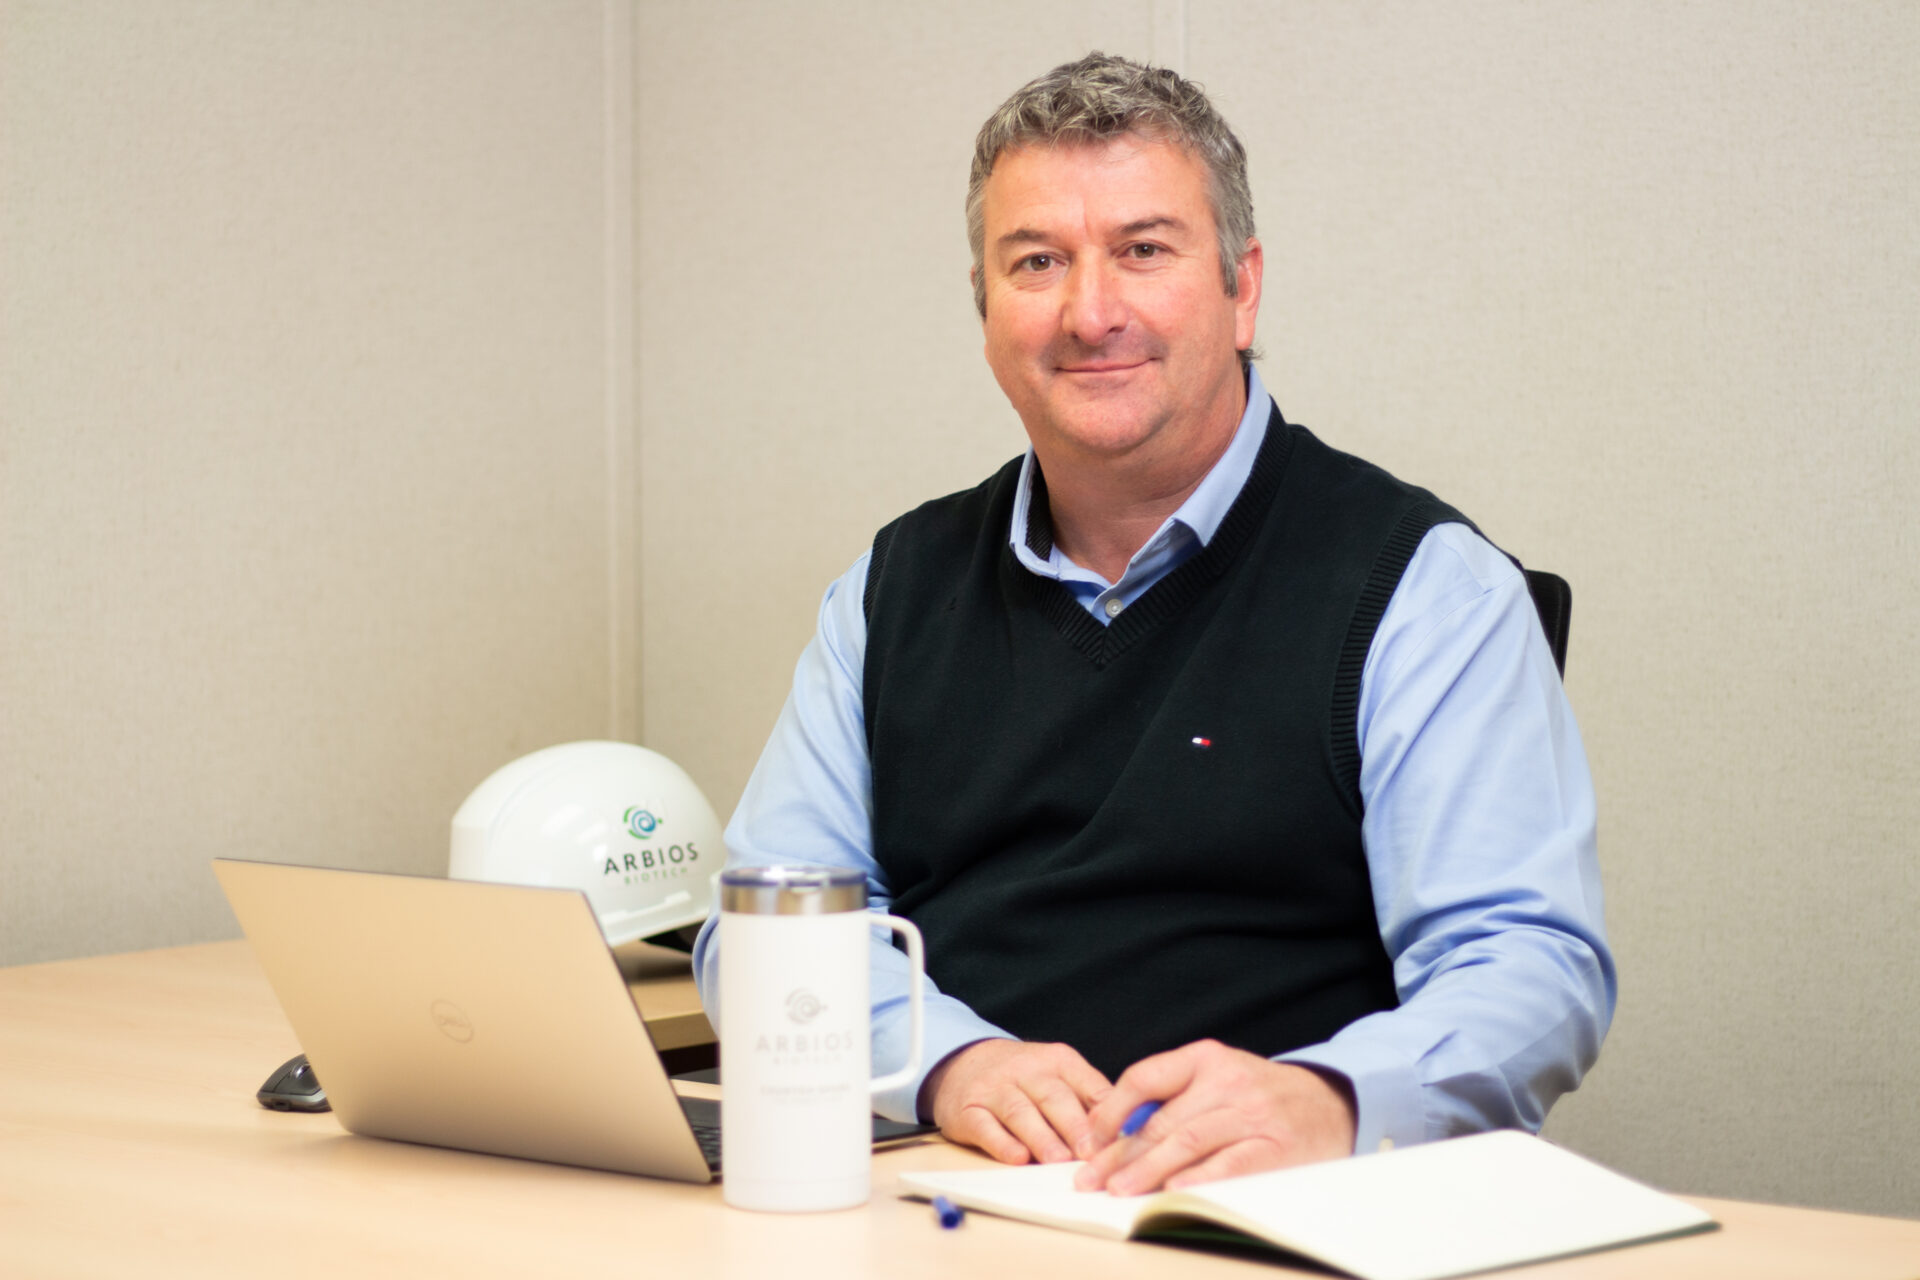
{"points": [[484, 1017]]}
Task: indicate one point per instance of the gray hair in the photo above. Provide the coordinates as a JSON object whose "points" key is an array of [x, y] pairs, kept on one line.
{"points": [[1101, 97]]}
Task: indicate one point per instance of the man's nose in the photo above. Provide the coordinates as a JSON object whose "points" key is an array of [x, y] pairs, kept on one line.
{"points": [[1095, 308]]}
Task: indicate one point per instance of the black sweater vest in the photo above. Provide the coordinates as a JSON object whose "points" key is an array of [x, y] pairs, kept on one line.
{"points": [[1133, 836]]}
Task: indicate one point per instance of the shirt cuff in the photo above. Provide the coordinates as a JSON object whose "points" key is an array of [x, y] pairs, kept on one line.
{"points": [[1389, 1109], [950, 1026]]}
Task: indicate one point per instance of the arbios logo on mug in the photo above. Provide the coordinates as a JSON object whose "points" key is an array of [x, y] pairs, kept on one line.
{"points": [[803, 1006], [821, 1046]]}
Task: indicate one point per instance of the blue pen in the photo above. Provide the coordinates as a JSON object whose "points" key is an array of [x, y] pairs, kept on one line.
{"points": [[1137, 1119], [948, 1212]]}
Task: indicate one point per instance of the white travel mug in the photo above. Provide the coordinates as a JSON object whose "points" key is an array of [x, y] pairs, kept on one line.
{"points": [[795, 1037]]}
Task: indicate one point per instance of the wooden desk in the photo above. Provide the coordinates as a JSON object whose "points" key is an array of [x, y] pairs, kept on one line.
{"points": [[130, 1144]]}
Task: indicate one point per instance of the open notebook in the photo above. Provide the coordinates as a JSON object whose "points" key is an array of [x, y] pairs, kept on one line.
{"points": [[1418, 1213]]}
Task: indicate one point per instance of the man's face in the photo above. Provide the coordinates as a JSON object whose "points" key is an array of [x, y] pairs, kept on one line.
{"points": [[1107, 323]]}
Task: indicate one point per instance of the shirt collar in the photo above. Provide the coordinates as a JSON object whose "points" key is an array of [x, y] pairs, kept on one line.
{"points": [[1031, 531]]}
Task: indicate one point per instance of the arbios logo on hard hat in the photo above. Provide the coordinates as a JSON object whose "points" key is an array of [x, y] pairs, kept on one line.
{"points": [[657, 863], [653, 863]]}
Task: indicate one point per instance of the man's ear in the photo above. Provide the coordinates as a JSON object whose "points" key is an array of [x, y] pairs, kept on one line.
{"points": [[1246, 302]]}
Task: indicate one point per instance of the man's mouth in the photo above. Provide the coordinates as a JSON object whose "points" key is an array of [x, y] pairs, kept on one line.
{"points": [[1100, 366]]}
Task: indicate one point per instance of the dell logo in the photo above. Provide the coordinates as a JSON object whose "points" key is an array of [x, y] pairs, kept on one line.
{"points": [[451, 1021]]}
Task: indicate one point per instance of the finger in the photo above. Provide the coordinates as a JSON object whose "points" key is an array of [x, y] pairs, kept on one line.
{"points": [[1125, 1148], [1254, 1155], [1161, 1078], [1099, 1167], [1114, 1155], [1060, 1105], [1146, 1166], [975, 1126], [1085, 1079], [1106, 1116], [1065, 1098], [1030, 1125]]}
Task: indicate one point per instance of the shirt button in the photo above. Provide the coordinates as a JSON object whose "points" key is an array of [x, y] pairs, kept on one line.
{"points": [[1113, 606]]}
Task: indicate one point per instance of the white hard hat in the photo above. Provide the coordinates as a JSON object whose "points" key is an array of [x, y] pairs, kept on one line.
{"points": [[623, 823]]}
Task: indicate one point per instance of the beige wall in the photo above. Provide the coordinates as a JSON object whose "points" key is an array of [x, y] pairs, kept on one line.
{"points": [[306, 441], [1634, 284], [316, 376], [810, 359], [1638, 286]]}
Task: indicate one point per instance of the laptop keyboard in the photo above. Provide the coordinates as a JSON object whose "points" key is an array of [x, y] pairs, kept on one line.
{"points": [[703, 1117], [708, 1136]]}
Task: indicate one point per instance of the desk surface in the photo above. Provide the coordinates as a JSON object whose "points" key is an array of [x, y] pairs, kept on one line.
{"points": [[130, 1144]]}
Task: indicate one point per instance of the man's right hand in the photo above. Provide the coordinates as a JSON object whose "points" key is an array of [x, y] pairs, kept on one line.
{"points": [[1017, 1101]]}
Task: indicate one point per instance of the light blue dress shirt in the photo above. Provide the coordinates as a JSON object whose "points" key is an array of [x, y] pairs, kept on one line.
{"points": [[1478, 828]]}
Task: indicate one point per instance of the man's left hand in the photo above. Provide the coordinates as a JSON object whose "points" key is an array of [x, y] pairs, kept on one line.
{"points": [[1224, 1112]]}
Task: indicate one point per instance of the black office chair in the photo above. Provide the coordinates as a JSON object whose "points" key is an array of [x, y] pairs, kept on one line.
{"points": [[1553, 600]]}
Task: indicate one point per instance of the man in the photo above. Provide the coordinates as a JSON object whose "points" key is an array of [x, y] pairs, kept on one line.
{"points": [[1219, 769]]}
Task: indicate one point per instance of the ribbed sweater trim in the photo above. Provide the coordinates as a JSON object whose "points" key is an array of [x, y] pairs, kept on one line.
{"points": [[1381, 583]]}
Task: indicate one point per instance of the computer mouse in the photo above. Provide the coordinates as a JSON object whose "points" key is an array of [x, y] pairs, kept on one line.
{"points": [[294, 1087]]}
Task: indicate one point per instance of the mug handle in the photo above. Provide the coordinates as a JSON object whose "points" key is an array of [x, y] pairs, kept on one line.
{"points": [[917, 957]]}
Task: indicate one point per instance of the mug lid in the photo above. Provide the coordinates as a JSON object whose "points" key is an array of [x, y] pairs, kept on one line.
{"points": [[792, 890]]}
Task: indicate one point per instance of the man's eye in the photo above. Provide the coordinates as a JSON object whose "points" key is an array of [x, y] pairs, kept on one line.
{"points": [[1143, 250], [1037, 262]]}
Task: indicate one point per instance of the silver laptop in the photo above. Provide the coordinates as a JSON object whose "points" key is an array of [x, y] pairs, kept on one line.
{"points": [[484, 1017]]}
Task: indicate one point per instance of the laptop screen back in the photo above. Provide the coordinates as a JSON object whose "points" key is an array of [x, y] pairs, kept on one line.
{"points": [[461, 1014]]}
